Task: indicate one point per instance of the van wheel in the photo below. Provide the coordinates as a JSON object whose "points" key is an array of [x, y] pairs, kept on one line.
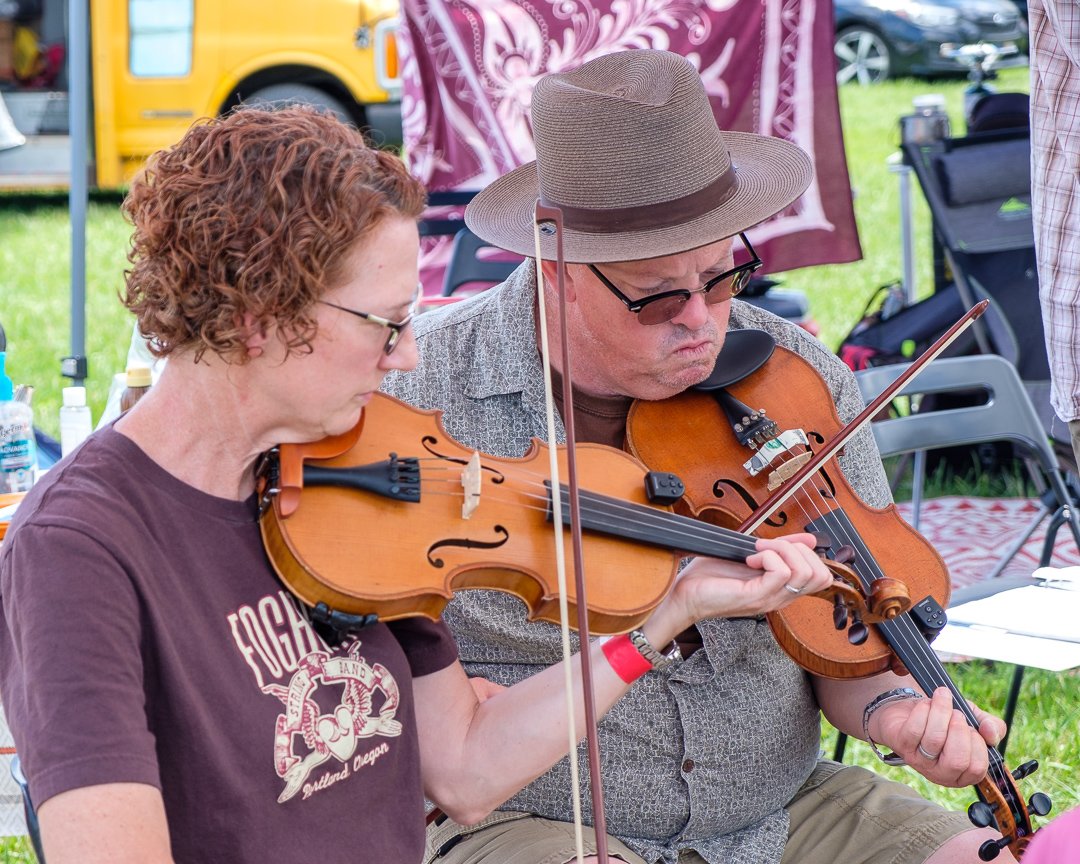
{"points": [[300, 94]]}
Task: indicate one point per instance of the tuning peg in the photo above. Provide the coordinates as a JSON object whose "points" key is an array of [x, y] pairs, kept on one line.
{"points": [[839, 612], [844, 555], [981, 814], [858, 631], [1040, 804], [822, 542], [1026, 769], [992, 848]]}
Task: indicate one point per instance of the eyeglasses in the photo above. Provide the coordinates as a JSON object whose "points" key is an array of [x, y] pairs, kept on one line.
{"points": [[666, 305], [396, 327]]}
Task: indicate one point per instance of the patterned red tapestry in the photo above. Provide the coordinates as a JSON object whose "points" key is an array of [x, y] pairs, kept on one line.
{"points": [[469, 66]]}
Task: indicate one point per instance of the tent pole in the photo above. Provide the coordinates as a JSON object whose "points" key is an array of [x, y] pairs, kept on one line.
{"points": [[75, 366]]}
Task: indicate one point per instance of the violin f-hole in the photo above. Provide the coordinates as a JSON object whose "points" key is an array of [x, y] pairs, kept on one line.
{"points": [[466, 543]]}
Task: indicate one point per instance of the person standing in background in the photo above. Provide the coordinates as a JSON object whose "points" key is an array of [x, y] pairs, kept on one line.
{"points": [[1055, 193]]}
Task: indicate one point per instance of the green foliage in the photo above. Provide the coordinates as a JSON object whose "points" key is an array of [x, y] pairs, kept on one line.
{"points": [[16, 850], [35, 305]]}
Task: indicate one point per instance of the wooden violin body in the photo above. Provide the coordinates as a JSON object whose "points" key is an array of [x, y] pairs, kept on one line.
{"points": [[690, 436], [371, 553]]}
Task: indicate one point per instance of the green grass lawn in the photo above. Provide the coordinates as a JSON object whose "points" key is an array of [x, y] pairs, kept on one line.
{"points": [[34, 242]]}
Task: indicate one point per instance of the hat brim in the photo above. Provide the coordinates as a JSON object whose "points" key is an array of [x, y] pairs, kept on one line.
{"points": [[771, 174]]}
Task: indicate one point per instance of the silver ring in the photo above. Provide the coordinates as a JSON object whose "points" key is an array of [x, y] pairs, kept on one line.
{"points": [[933, 757], [793, 589]]}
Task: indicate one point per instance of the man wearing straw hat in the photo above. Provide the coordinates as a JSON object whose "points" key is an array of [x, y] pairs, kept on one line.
{"points": [[713, 757]]}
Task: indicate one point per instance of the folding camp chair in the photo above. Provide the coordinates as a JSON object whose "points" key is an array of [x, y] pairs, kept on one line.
{"points": [[978, 188], [469, 266], [1007, 414]]}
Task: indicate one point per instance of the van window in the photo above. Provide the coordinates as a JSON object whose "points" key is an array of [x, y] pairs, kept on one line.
{"points": [[161, 35]]}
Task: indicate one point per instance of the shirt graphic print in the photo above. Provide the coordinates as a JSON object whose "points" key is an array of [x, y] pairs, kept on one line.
{"points": [[332, 701]]}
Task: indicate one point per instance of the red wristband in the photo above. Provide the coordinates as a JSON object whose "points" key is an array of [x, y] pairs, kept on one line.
{"points": [[625, 659]]}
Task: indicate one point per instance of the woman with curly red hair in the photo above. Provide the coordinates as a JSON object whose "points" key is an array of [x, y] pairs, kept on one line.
{"points": [[170, 700]]}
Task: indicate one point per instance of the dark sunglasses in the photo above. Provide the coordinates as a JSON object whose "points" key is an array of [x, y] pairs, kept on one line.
{"points": [[396, 327], [666, 305]]}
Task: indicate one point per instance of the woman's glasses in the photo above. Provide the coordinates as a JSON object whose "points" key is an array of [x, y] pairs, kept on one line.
{"points": [[396, 327]]}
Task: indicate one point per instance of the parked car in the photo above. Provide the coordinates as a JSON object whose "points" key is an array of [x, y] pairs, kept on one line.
{"points": [[879, 39]]}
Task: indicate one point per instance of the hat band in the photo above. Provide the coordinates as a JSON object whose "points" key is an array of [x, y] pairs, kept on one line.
{"points": [[662, 214]]}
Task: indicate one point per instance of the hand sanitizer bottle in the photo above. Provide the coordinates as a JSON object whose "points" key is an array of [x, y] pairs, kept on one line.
{"points": [[18, 450]]}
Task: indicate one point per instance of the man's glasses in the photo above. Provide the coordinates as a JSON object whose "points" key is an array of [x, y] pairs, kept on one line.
{"points": [[666, 305], [396, 328]]}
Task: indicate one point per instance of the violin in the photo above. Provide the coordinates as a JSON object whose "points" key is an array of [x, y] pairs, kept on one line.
{"points": [[739, 456], [444, 518]]}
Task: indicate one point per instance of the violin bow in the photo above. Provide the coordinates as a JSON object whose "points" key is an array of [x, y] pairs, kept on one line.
{"points": [[553, 216], [833, 445]]}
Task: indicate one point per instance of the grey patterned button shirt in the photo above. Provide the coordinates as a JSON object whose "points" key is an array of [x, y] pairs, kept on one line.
{"points": [[703, 758]]}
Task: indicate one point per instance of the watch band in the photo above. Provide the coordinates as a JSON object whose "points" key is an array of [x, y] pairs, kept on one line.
{"points": [[659, 660], [878, 702]]}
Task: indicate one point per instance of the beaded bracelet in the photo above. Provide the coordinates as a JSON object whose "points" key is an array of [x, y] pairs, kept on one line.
{"points": [[877, 702], [624, 657]]}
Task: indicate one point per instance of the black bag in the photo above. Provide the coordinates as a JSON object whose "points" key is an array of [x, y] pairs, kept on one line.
{"points": [[890, 335], [893, 332]]}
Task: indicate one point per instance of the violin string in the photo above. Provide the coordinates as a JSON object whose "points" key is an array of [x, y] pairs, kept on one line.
{"points": [[615, 516], [643, 514], [840, 529], [920, 658]]}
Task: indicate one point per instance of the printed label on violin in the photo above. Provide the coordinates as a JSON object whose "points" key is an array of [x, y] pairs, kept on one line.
{"points": [[331, 703], [768, 453]]}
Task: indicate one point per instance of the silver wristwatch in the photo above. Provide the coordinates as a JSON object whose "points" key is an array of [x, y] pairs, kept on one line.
{"points": [[670, 657]]}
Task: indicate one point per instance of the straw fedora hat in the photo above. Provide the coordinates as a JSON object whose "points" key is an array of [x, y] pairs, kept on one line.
{"points": [[628, 147]]}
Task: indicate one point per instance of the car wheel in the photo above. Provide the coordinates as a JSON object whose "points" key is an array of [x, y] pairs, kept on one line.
{"points": [[302, 94], [861, 55]]}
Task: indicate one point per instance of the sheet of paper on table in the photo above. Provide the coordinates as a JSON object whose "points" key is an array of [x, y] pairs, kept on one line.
{"points": [[1035, 625]]}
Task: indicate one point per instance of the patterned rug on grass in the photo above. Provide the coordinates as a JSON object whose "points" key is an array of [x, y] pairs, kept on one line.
{"points": [[971, 534]]}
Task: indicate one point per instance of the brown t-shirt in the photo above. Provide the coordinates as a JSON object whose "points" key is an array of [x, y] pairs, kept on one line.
{"points": [[144, 638]]}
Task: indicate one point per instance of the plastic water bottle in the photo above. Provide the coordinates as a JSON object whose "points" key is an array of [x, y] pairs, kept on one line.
{"points": [[18, 450], [75, 421]]}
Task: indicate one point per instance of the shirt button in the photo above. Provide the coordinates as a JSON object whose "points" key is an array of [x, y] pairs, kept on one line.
{"points": [[688, 766]]}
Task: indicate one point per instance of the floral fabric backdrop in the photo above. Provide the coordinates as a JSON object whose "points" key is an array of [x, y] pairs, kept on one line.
{"points": [[469, 66]]}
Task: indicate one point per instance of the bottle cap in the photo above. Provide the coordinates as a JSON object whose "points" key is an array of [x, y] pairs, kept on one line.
{"points": [[138, 376], [6, 390], [74, 397], [928, 103]]}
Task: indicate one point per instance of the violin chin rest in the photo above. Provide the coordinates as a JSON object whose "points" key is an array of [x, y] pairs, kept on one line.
{"points": [[744, 352]]}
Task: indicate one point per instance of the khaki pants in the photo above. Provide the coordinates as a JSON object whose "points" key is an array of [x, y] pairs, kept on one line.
{"points": [[842, 814]]}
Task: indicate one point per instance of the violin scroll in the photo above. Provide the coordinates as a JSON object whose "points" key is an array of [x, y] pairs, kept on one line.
{"points": [[1001, 806]]}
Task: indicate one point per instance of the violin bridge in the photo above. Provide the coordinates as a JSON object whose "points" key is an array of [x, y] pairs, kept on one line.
{"points": [[773, 449], [787, 470], [470, 483]]}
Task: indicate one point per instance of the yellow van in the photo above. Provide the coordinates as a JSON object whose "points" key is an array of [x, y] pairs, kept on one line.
{"points": [[158, 65]]}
